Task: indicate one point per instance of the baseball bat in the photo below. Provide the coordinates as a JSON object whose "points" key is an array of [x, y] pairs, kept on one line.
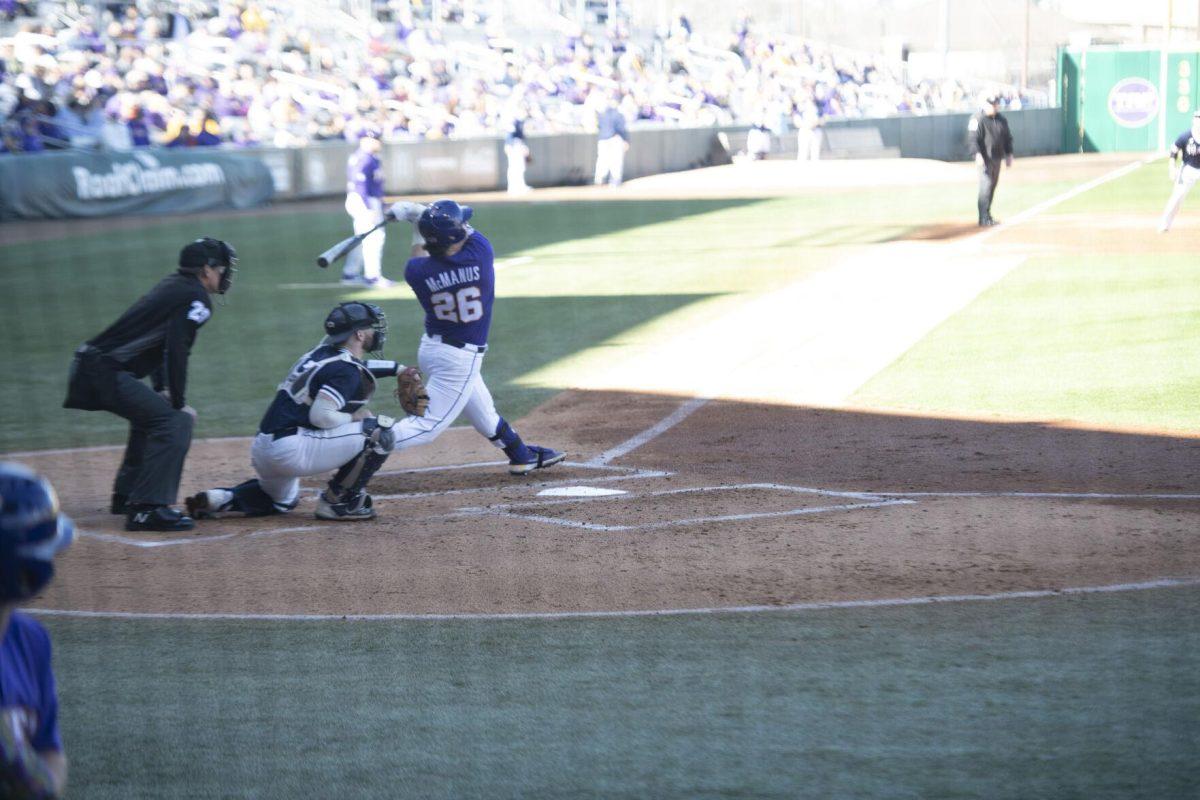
{"points": [[343, 247]]}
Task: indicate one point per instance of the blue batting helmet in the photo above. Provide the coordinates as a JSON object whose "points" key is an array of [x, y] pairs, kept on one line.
{"points": [[32, 531], [444, 223]]}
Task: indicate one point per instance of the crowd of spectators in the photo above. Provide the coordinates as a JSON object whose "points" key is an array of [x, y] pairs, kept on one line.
{"points": [[286, 73]]}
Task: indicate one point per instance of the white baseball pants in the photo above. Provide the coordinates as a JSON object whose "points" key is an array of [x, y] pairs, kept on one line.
{"points": [[455, 387], [1183, 184], [516, 153], [280, 463], [367, 258], [610, 160]]}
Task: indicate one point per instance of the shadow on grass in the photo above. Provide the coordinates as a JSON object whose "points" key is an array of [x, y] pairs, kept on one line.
{"points": [[247, 348]]}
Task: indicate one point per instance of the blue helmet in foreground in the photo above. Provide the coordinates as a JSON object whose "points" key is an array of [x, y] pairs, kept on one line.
{"points": [[444, 223], [32, 532]]}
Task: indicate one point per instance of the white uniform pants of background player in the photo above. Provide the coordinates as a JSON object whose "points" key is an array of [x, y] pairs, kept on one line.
{"points": [[366, 260], [455, 386], [610, 160], [280, 463], [516, 152], [1184, 182]]}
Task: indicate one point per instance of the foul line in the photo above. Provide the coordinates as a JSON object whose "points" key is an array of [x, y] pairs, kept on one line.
{"points": [[153, 543], [1160, 583], [1051, 495], [654, 431]]}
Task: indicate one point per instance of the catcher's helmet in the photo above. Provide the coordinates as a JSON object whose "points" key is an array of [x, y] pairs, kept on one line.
{"points": [[353, 316], [444, 223], [209, 252], [32, 531]]}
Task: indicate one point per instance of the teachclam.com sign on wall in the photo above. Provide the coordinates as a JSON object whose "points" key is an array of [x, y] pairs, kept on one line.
{"points": [[1133, 102]]}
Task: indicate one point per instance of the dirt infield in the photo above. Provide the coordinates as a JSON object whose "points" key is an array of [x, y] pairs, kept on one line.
{"points": [[740, 503], [715, 513]]}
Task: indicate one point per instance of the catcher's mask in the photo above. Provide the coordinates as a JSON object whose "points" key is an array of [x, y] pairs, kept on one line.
{"points": [[444, 223], [32, 531], [209, 252], [353, 316]]}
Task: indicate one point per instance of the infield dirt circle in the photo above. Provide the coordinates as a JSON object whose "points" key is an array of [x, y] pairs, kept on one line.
{"points": [[752, 501]]}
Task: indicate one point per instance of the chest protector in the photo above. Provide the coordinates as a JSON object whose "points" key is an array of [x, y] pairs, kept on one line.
{"points": [[298, 383]]}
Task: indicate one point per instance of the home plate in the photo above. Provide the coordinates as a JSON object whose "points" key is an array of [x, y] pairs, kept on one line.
{"points": [[579, 491]]}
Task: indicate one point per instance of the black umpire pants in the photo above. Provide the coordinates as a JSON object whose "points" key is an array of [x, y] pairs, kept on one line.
{"points": [[159, 436], [989, 176]]}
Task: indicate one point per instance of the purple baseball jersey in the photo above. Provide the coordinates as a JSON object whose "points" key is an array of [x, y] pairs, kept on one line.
{"points": [[456, 291]]}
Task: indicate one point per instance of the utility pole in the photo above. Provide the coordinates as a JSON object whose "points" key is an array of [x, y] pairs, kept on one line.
{"points": [[944, 35], [1025, 50]]}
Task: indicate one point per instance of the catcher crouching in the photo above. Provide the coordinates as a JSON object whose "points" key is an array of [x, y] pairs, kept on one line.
{"points": [[319, 421]]}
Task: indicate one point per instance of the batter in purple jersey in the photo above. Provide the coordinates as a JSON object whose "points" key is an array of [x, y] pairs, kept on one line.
{"points": [[454, 279]]}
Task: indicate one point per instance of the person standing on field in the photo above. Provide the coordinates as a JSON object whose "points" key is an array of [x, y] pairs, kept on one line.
{"points": [[1186, 174], [989, 142], [154, 337], [364, 204], [612, 142]]}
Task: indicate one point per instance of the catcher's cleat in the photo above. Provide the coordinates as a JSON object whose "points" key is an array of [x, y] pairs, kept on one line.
{"points": [[356, 508], [206, 504], [157, 518], [540, 458]]}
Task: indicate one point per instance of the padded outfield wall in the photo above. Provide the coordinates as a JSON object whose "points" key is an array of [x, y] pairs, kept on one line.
{"points": [[1126, 98]]}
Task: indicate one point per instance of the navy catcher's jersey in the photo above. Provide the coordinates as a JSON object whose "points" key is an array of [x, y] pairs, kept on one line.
{"points": [[456, 291], [1187, 145], [325, 369]]}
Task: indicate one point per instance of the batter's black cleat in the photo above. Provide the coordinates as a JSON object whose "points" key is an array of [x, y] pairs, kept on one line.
{"points": [[119, 504], [539, 458], [158, 518]]}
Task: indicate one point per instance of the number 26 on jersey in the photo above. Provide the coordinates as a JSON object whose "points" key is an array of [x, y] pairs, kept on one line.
{"points": [[464, 305]]}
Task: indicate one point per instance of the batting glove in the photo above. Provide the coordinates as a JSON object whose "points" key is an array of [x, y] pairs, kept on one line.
{"points": [[406, 210]]}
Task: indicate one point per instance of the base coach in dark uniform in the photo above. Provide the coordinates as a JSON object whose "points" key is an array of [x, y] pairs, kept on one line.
{"points": [[990, 142], [153, 338]]}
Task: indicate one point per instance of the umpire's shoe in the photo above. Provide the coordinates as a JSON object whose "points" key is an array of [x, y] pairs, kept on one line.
{"points": [[539, 458], [157, 518]]}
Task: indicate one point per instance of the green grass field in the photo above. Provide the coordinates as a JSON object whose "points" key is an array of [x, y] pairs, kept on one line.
{"points": [[1087, 697], [601, 275], [1082, 697]]}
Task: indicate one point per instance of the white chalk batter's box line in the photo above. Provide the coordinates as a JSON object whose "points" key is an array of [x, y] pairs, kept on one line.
{"points": [[866, 500], [523, 482]]}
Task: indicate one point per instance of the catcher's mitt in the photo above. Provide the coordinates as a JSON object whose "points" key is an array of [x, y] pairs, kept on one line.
{"points": [[410, 392]]}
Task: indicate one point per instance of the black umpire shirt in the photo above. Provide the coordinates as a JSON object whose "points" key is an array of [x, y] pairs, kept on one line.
{"points": [[990, 136], [157, 333]]}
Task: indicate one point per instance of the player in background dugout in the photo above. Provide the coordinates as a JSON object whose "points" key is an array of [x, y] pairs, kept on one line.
{"points": [[989, 142]]}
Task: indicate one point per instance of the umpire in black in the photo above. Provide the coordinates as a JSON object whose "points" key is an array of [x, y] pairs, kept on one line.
{"points": [[153, 338], [990, 142]]}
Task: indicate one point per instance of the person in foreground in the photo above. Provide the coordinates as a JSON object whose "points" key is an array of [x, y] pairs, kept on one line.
{"points": [[33, 764]]}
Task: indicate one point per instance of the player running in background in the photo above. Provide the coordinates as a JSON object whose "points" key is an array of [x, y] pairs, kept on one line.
{"points": [[453, 277], [32, 761], [1184, 176]]}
